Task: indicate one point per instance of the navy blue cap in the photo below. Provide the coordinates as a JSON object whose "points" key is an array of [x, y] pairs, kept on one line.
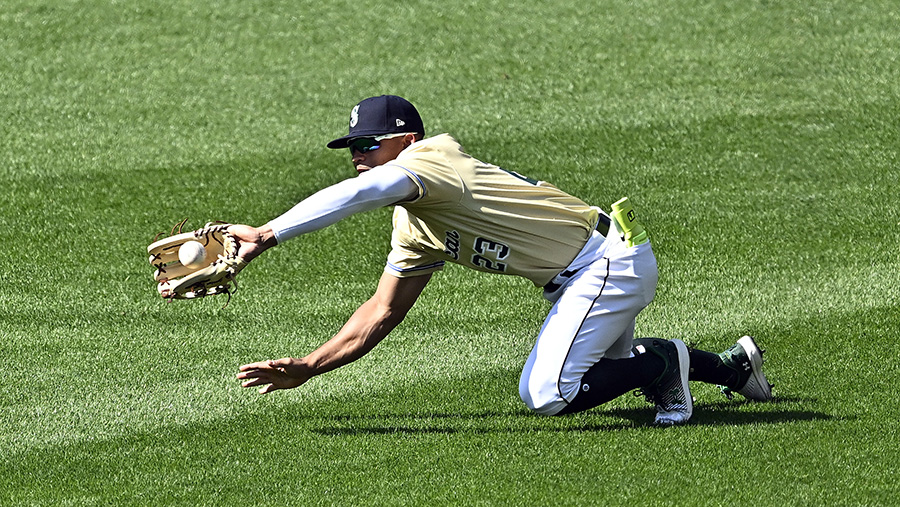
{"points": [[377, 116]]}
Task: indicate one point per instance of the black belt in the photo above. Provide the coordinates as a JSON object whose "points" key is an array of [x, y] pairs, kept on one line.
{"points": [[603, 228], [603, 224]]}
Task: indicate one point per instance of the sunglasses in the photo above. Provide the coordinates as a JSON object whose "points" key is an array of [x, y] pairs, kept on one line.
{"points": [[364, 145]]}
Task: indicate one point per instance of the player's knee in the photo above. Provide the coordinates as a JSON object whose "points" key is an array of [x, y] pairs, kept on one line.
{"points": [[545, 408], [539, 391], [536, 401], [525, 395]]}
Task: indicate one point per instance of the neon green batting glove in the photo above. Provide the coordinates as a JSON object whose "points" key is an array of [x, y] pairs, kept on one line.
{"points": [[624, 215]]}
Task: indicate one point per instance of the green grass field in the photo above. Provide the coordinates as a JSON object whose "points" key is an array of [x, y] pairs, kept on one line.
{"points": [[759, 140]]}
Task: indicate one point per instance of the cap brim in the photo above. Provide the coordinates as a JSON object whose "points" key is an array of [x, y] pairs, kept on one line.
{"points": [[344, 142], [341, 142]]}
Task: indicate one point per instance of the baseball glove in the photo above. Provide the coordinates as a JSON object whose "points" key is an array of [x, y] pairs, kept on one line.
{"points": [[213, 274]]}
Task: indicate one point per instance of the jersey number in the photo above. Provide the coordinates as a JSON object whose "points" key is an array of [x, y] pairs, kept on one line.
{"points": [[498, 251], [488, 253]]}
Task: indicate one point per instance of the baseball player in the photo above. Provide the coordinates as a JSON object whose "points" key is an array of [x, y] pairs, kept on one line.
{"points": [[597, 269]]}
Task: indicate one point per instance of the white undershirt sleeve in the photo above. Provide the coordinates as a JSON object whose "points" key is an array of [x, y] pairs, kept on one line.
{"points": [[375, 188]]}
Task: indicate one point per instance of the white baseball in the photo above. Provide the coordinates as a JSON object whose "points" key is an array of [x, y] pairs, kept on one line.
{"points": [[191, 254]]}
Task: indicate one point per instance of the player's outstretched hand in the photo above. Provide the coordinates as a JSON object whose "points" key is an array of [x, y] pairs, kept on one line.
{"points": [[286, 373], [253, 240]]}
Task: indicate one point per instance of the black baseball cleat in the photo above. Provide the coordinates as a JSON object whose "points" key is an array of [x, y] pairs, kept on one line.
{"points": [[670, 392], [745, 357]]}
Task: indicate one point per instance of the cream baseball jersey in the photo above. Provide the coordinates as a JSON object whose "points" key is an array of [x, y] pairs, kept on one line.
{"points": [[482, 216]]}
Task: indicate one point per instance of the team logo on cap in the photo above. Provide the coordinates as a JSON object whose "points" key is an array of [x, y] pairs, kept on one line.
{"points": [[354, 116], [400, 122]]}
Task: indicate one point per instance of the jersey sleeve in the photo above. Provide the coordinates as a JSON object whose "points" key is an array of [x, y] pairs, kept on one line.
{"points": [[431, 165], [407, 258]]}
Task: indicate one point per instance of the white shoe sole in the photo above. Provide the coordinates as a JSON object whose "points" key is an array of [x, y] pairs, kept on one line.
{"points": [[757, 387]]}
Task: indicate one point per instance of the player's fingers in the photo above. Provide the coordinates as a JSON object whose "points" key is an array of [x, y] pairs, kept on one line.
{"points": [[249, 374], [280, 363], [260, 365], [256, 381], [268, 389]]}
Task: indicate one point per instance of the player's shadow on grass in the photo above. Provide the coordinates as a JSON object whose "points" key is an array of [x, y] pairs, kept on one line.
{"points": [[728, 413], [735, 413], [430, 407]]}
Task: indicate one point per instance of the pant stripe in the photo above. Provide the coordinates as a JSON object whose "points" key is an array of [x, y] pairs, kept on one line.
{"points": [[578, 332]]}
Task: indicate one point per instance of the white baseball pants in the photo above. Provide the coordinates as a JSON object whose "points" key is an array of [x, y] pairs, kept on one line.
{"points": [[592, 317]]}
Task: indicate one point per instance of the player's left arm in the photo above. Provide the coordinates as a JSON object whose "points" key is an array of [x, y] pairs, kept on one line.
{"points": [[373, 189], [368, 325]]}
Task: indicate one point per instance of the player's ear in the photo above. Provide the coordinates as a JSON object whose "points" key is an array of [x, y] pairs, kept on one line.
{"points": [[408, 139]]}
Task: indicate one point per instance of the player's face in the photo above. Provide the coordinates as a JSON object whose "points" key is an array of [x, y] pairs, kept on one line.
{"points": [[366, 158]]}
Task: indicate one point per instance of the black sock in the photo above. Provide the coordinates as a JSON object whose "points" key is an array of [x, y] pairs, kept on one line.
{"points": [[611, 378], [708, 367]]}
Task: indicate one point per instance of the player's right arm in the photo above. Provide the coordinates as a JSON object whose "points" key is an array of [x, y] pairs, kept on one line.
{"points": [[368, 325]]}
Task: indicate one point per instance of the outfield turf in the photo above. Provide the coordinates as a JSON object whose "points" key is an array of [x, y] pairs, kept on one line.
{"points": [[758, 139]]}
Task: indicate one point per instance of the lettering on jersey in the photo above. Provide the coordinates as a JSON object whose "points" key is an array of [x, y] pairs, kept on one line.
{"points": [[451, 244], [489, 253]]}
